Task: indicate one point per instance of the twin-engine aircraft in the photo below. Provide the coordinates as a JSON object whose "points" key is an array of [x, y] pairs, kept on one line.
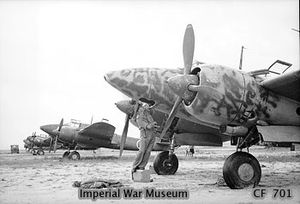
{"points": [[76, 135], [235, 105], [36, 144]]}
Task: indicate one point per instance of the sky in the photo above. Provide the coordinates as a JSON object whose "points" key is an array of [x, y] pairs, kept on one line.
{"points": [[54, 54]]}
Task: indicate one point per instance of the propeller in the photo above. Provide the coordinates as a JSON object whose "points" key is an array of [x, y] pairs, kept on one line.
{"points": [[188, 55], [51, 142], [57, 132], [124, 134], [129, 108]]}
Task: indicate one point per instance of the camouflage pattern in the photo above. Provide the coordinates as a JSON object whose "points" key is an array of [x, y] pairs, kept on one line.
{"points": [[150, 84], [186, 132], [224, 95], [228, 96]]}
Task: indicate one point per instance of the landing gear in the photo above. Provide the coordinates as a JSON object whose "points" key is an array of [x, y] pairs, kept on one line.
{"points": [[74, 155], [165, 164], [66, 154], [40, 152], [33, 152], [241, 170]]}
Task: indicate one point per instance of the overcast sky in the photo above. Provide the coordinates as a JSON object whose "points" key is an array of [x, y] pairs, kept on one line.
{"points": [[54, 54]]}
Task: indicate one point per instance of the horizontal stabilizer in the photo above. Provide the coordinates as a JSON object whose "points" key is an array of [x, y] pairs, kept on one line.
{"points": [[100, 129], [280, 133]]}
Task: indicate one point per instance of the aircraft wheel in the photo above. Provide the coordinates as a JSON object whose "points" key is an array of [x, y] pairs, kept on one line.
{"points": [[74, 155], [165, 164], [33, 152], [66, 154], [241, 170], [40, 152]]}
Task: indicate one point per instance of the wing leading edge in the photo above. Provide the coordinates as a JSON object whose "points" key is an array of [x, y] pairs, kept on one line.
{"points": [[287, 85]]}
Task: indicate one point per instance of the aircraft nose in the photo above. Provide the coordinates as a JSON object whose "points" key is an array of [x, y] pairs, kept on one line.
{"points": [[131, 82], [50, 129], [125, 106], [106, 78], [113, 78]]}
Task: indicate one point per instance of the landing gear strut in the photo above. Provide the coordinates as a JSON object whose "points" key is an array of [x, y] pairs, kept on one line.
{"points": [[242, 169], [166, 162]]}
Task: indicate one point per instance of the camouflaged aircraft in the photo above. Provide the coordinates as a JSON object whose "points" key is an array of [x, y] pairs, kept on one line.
{"points": [[241, 106], [79, 136], [36, 144]]}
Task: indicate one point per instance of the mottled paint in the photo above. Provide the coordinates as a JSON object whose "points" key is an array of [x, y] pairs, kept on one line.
{"points": [[226, 96], [229, 96], [184, 128], [148, 83]]}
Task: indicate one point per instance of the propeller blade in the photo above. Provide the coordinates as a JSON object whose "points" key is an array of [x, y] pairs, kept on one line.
{"points": [[57, 134], [171, 116], [55, 144], [51, 143], [188, 55], [60, 125], [124, 135], [188, 48]]}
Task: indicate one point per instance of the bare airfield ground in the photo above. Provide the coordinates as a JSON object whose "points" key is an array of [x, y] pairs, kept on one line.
{"points": [[25, 178]]}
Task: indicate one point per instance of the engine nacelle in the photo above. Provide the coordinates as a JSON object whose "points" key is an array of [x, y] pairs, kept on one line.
{"points": [[224, 96], [67, 134]]}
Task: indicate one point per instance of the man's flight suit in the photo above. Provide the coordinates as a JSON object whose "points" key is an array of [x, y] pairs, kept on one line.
{"points": [[147, 127]]}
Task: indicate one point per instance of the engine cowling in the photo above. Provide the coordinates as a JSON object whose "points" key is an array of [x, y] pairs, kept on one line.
{"points": [[223, 95]]}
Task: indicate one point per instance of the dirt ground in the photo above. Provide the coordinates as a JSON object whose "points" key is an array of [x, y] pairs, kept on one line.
{"points": [[25, 178]]}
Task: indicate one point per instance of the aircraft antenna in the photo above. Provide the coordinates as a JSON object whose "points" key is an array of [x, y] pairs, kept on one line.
{"points": [[241, 58], [92, 119]]}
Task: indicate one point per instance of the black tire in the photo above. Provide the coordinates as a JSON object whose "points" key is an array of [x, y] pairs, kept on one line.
{"points": [[66, 154], [241, 170], [40, 152], [165, 164], [33, 152], [74, 155], [292, 148]]}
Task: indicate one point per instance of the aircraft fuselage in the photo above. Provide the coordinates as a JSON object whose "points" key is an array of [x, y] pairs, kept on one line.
{"points": [[225, 96]]}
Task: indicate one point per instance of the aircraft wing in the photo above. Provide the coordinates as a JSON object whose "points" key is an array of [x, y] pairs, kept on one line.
{"points": [[99, 129], [287, 85]]}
